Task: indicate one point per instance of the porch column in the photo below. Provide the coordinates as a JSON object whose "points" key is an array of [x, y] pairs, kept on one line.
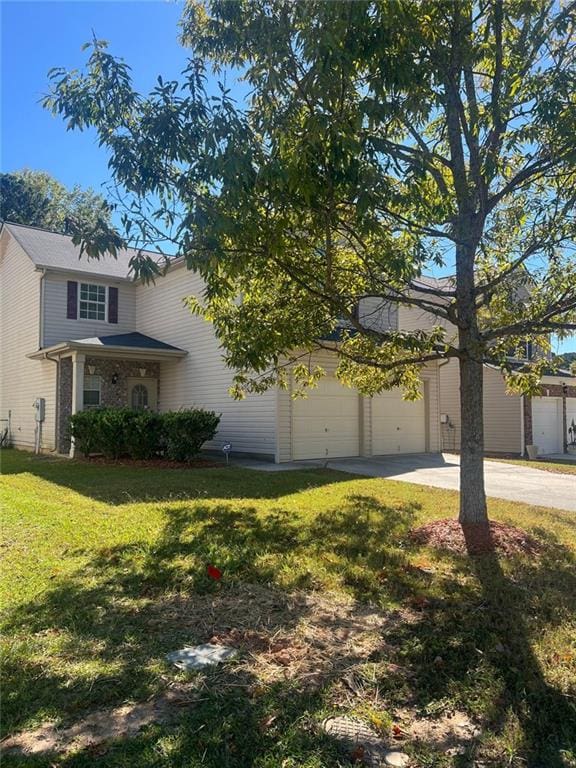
{"points": [[77, 390]]}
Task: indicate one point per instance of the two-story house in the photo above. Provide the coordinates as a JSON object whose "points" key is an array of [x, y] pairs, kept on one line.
{"points": [[511, 421], [78, 333]]}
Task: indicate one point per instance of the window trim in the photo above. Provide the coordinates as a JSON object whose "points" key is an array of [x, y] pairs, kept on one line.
{"points": [[145, 407], [88, 319], [84, 390]]}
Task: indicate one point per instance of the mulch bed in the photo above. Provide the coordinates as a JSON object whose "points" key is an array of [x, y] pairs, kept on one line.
{"points": [[475, 539], [156, 463]]}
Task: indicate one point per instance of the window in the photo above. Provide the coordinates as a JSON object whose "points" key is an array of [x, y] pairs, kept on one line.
{"points": [[524, 351], [139, 397], [92, 302], [92, 387]]}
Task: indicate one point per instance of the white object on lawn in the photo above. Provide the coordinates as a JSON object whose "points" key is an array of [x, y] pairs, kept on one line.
{"points": [[201, 656]]}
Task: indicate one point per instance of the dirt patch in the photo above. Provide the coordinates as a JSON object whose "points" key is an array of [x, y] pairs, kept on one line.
{"points": [[99, 727], [306, 638], [155, 463], [451, 732], [475, 539], [302, 637]]}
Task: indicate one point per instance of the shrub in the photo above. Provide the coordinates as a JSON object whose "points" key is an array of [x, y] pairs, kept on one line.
{"points": [[179, 435], [184, 432], [142, 434], [110, 429], [82, 428]]}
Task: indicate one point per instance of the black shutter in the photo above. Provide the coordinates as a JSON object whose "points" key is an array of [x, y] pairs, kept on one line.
{"points": [[72, 307], [112, 305]]}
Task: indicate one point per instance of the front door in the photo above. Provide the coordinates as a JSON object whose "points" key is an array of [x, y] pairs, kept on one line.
{"points": [[143, 394]]}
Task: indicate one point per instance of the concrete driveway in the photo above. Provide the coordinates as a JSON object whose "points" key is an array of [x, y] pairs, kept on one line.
{"points": [[503, 481]]}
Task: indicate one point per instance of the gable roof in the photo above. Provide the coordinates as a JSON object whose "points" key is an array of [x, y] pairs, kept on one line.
{"points": [[53, 250]]}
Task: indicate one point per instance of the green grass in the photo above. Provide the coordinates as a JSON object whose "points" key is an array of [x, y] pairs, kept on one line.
{"points": [[561, 467], [95, 559]]}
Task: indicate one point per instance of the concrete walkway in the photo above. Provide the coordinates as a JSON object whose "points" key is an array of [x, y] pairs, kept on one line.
{"points": [[503, 481]]}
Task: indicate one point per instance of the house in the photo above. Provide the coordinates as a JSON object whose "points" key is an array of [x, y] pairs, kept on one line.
{"points": [[78, 333], [511, 421]]}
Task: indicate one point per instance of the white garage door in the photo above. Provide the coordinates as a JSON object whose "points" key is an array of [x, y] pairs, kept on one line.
{"points": [[398, 426], [326, 424], [547, 424], [570, 413]]}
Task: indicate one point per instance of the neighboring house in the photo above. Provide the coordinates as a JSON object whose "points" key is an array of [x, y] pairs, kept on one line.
{"points": [[79, 333], [511, 421]]}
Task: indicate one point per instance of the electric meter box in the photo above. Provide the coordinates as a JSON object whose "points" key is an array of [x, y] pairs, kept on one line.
{"points": [[40, 409]]}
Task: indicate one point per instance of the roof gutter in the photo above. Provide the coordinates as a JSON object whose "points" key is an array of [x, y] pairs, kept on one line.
{"points": [[71, 346], [83, 273]]}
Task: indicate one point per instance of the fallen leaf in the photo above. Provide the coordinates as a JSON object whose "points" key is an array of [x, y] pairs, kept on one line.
{"points": [[214, 573]]}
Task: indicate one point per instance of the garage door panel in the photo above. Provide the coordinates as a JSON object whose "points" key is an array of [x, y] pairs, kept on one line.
{"points": [[546, 424], [398, 425], [326, 424]]}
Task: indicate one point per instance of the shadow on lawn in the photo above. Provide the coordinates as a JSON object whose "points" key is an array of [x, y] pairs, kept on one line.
{"points": [[132, 604], [128, 485], [479, 641]]}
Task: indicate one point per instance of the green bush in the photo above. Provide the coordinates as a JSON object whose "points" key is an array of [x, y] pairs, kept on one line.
{"points": [[142, 434], [82, 427], [111, 429], [184, 432], [115, 432]]}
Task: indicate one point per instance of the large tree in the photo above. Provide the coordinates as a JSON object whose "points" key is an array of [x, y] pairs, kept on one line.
{"points": [[38, 199], [378, 140]]}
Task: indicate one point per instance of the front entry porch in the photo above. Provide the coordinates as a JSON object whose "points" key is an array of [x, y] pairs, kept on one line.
{"points": [[121, 371]]}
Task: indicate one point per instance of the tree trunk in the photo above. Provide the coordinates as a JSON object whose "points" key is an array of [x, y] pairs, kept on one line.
{"points": [[472, 494]]}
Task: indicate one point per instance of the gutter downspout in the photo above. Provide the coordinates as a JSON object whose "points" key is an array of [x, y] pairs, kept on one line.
{"points": [[41, 317], [522, 428]]}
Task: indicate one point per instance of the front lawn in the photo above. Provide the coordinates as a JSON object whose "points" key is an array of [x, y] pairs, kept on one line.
{"points": [[562, 467], [335, 612]]}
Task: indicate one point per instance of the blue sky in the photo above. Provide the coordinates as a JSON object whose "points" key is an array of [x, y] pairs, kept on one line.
{"points": [[39, 35]]}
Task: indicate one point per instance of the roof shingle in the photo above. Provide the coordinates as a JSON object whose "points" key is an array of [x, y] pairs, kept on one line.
{"points": [[54, 250]]}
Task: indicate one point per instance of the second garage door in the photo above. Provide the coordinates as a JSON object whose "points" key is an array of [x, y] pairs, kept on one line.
{"points": [[326, 424], [398, 426], [546, 424]]}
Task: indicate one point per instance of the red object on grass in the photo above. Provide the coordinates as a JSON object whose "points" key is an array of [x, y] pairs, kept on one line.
{"points": [[214, 573]]}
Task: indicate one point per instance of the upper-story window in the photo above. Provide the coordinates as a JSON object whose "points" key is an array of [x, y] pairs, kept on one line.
{"points": [[92, 302]]}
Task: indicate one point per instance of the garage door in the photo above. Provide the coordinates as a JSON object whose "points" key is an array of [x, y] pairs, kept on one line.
{"points": [[398, 426], [547, 424], [326, 424], [570, 413]]}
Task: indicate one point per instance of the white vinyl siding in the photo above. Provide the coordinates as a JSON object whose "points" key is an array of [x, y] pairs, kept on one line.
{"points": [[202, 378], [23, 380], [328, 361], [374, 312], [57, 327], [502, 411]]}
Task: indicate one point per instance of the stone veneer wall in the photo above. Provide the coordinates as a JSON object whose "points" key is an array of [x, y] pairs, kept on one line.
{"points": [[528, 436], [556, 390], [112, 395], [64, 404], [116, 395]]}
